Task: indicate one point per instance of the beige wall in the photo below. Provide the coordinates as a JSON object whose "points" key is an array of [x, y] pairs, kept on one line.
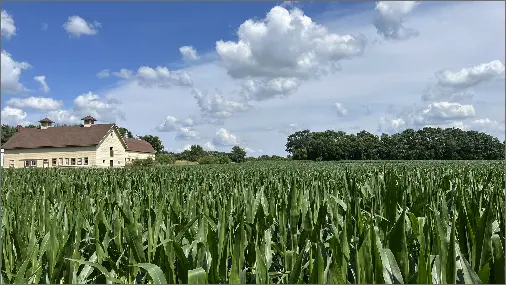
{"points": [[131, 155], [103, 157], [63, 156]]}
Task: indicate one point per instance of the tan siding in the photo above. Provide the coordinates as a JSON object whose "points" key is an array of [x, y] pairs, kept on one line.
{"points": [[20, 155], [112, 139], [131, 155]]}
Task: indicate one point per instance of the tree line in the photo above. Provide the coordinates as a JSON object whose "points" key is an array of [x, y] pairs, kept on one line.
{"points": [[423, 144]]}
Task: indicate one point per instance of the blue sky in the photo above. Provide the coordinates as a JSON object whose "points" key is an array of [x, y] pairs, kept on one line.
{"points": [[253, 72]]}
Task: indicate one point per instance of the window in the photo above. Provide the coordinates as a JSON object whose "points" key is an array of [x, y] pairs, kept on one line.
{"points": [[61, 161], [119, 162], [79, 161], [45, 163], [111, 134], [27, 163], [11, 163], [111, 152], [103, 161], [85, 161], [73, 161], [54, 160], [66, 161], [33, 163]]}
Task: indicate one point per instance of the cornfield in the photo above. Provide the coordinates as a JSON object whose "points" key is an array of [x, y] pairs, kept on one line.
{"points": [[416, 222]]}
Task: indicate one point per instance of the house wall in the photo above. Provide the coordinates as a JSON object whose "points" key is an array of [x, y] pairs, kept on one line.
{"points": [[19, 156], [103, 156], [131, 155]]}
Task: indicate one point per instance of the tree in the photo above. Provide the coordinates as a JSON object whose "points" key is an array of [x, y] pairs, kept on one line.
{"points": [[125, 132], [155, 142], [195, 153], [238, 154], [7, 132]]}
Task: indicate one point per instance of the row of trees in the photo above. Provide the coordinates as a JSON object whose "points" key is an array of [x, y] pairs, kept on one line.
{"points": [[423, 144]]}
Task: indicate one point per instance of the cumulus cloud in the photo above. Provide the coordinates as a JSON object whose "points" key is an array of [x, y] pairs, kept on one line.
{"points": [[171, 124], [8, 28], [11, 72], [77, 26], [225, 138], [340, 109], [189, 53], [86, 104], [214, 105], [391, 125], [290, 129], [13, 116], [123, 73], [454, 85], [43, 84], [209, 146], [186, 133], [446, 111], [162, 77], [250, 151], [308, 50], [472, 76], [264, 88], [391, 18], [487, 125], [37, 103]]}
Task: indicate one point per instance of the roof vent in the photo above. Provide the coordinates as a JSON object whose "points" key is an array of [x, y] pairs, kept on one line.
{"points": [[45, 123], [88, 121]]}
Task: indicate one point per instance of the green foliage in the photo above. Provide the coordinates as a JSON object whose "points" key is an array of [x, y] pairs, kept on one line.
{"points": [[195, 153], [214, 159], [165, 158], [155, 142], [125, 132], [143, 162], [263, 222], [423, 144], [238, 154]]}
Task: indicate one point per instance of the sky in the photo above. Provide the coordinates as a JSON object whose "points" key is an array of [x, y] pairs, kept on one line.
{"points": [[220, 74]]}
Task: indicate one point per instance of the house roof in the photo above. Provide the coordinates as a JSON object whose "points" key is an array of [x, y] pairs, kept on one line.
{"points": [[46, 120], [65, 136], [89, 118], [139, 145]]}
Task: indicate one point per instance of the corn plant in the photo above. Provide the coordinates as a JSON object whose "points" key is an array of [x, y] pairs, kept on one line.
{"points": [[284, 222]]}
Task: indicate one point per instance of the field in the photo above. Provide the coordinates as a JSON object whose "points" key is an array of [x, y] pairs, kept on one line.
{"points": [[285, 222]]}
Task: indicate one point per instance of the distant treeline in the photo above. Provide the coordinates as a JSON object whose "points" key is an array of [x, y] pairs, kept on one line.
{"points": [[423, 144]]}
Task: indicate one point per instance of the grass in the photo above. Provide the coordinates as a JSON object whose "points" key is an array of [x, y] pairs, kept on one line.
{"points": [[276, 222]]}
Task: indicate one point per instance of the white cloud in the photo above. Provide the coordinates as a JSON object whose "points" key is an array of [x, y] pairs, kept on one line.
{"points": [[8, 28], [77, 26], [37, 103], [189, 53], [43, 84], [13, 116], [11, 73], [391, 16], [288, 4], [225, 138], [186, 133], [64, 117], [162, 77], [104, 110], [389, 125], [250, 151], [171, 124], [123, 73], [340, 109], [308, 50], [487, 125], [445, 111], [472, 76], [209, 146], [104, 73], [290, 129], [264, 88], [214, 105]]}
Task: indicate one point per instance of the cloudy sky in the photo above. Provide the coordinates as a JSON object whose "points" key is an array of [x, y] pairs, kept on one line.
{"points": [[249, 74]]}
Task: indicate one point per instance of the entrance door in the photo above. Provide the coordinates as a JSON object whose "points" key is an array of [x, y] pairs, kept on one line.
{"points": [[111, 163]]}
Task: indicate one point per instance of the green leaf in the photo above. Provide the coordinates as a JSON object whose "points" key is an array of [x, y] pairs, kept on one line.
{"points": [[398, 244], [154, 271], [99, 267], [470, 277], [197, 276]]}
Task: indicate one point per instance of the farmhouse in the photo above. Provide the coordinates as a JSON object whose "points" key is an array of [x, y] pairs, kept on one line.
{"points": [[87, 145]]}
